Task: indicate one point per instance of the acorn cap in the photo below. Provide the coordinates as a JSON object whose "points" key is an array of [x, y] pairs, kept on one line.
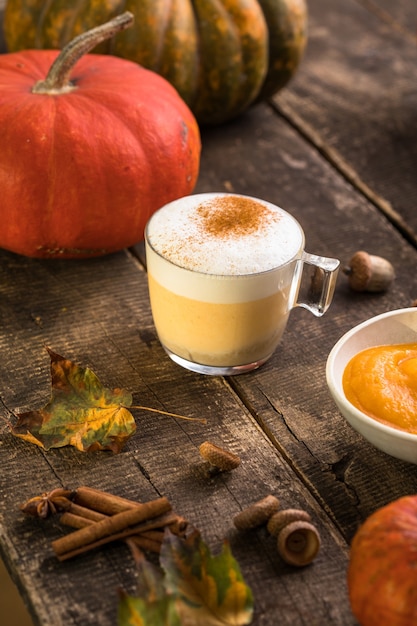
{"points": [[280, 519], [298, 543], [222, 459]]}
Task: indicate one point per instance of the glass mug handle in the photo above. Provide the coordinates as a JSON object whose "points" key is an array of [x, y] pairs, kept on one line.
{"points": [[314, 283]]}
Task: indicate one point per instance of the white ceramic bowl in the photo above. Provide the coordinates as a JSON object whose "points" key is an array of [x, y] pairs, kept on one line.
{"points": [[398, 326]]}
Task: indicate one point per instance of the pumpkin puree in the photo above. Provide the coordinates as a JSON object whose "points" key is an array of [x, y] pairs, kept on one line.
{"points": [[382, 382]]}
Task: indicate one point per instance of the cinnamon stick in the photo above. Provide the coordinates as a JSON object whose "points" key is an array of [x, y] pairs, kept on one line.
{"points": [[156, 535], [147, 539], [83, 511], [135, 550], [162, 521], [79, 516], [102, 501], [110, 526], [75, 521], [146, 543], [178, 526]]}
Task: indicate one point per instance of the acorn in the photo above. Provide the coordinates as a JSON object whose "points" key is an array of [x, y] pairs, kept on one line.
{"points": [[257, 513], [282, 518], [368, 272], [219, 459], [298, 543]]}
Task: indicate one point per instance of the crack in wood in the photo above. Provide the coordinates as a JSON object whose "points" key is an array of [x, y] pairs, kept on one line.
{"points": [[143, 471], [339, 470], [387, 18]]}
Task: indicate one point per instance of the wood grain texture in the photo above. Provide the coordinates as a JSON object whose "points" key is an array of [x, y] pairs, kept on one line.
{"points": [[401, 15], [288, 396], [336, 149], [101, 321], [355, 90]]}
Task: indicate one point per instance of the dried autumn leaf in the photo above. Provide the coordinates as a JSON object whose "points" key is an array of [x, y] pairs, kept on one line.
{"points": [[210, 588], [152, 605], [197, 588], [139, 612], [81, 412]]}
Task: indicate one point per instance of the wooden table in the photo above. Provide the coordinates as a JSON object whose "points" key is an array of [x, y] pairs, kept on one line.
{"points": [[338, 149]]}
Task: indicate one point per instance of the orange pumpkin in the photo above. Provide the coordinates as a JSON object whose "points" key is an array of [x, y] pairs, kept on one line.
{"points": [[382, 573], [89, 153]]}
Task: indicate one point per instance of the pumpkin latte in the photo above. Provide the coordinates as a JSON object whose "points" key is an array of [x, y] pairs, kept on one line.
{"points": [[220, 273]]}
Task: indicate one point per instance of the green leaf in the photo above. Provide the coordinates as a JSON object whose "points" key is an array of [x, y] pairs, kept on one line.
{"points": [[211, 588], [81, 412], [154, 607], [197, 589], [140, 612]]}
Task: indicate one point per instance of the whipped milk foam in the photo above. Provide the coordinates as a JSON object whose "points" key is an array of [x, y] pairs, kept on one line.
{"points": [[234, 241], [225, 234]]}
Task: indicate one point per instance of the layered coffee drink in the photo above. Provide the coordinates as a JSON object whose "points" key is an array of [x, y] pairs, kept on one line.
{"points": [[222, 270]]}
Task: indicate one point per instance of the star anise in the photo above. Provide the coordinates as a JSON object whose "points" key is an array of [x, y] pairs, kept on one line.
{"points": [[49, 503]]}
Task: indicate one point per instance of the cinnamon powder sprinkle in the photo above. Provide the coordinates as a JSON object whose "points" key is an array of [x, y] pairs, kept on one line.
{"points": [[234, 216]]}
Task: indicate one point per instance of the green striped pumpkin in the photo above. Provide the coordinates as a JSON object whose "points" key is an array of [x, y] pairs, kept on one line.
{"points": [[220, 55]]}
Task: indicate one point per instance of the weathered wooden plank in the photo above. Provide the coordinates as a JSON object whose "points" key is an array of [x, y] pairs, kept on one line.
{"points": [[400, 15], [356, 89], [97, 313], [260, 155]]}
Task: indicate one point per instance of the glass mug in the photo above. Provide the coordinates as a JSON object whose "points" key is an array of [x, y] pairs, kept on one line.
{"points": [[224, 272]]}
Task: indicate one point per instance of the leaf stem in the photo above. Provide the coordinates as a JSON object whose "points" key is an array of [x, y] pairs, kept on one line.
{"points": [[202, 420]]}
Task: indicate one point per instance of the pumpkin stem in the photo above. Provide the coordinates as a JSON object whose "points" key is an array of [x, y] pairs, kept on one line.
{"points": [[57, 80]]}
